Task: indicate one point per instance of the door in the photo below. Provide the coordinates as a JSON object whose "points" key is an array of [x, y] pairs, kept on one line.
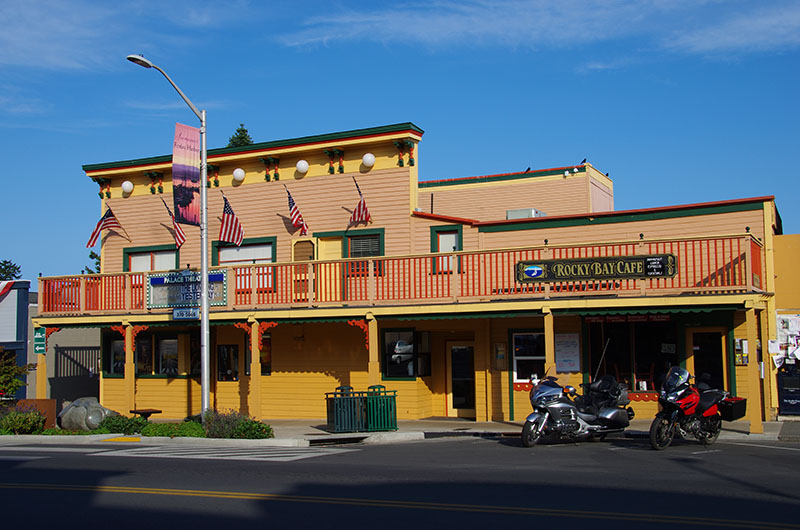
{"points": [[461, 379], [708, 356], [329, 275], [302, 251]]}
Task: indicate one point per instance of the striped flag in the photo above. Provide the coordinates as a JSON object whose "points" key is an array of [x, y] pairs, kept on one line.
{"points": [[361, 212], [5, 287], [231, 230], [180, 236], [107, 221], [294, 213]]}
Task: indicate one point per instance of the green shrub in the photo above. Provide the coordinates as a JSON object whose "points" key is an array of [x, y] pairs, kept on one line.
{"points": [[5, 432], [123, 424], [251, 429], [22, 421], [66, 432], [188, 429], [234, 424]]}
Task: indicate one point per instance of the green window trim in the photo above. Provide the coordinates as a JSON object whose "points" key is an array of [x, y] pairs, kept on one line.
{"points": [[216, 245], [126, 254], [435, 231]]}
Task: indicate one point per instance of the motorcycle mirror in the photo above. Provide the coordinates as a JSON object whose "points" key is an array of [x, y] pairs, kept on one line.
{"points": [[569, 389], [534, 379]]}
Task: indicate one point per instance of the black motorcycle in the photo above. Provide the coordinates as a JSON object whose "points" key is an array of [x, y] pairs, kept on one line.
{"points": [[558, 411]]}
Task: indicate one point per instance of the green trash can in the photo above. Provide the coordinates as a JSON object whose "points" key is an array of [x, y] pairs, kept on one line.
{"points": [[381, 409], [346, 410]]}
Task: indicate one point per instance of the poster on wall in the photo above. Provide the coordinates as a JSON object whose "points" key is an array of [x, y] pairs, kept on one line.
{"points": [[788, 327], [568, 352]]}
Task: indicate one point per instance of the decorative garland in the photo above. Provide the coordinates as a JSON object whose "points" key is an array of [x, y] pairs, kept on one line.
{"points": [[331, 154], [269, 161], [401, 146], [364, 327], [154, 177], [105, 187], [209, 170]]}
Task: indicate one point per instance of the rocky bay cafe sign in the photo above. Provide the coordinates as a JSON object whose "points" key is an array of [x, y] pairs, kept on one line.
{"points": [[601, 268]]}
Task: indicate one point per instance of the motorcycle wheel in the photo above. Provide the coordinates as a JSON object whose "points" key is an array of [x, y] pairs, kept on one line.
{"points": [[711, 429], [530, 434], [661, 433]]}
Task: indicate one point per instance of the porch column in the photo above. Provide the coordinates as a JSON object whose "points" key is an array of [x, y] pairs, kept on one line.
{"points": [[373, 365], [769, 377], [483, 380], [41, 376], [254, 396], [753, 375], [130, 369], [549, 342]]}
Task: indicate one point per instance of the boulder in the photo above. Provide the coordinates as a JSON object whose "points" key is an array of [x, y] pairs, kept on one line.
{"points": [[83, 414]]}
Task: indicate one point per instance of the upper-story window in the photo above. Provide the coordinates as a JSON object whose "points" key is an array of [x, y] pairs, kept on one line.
{"points": [[246, 254], [445, 239], [151, 260], [364, 246]]}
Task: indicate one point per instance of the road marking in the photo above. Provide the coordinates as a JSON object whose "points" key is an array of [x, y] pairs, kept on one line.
{"points": [[259, 454], [764, 446], [21, 458], [46, 449], [421, 505], [706, 452]]}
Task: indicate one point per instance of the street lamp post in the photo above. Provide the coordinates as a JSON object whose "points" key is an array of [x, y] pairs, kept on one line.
{"points": [[205, 365]]}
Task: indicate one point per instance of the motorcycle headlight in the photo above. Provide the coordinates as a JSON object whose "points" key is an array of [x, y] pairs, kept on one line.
{"points": [[672, 398]]}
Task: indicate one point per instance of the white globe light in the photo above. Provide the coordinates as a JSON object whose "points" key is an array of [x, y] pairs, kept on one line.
{"points": [[302, 166], [566, 173], [368, 160], [127, 186], [238, 174]]}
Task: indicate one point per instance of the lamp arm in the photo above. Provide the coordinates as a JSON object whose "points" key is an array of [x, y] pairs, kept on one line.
{"points": [[187, 100]]}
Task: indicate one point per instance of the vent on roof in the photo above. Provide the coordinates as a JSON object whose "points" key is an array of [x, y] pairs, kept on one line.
{"points": [[524, 213]]}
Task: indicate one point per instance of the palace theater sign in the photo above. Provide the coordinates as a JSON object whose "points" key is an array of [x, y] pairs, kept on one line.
{"points": [[605, 268]]}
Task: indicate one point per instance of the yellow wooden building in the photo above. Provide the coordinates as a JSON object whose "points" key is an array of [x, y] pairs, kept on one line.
{"points": [[442, 297]]}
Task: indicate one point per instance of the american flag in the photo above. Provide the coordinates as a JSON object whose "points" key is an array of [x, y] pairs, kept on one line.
{"points": [[231, 230], [294, 213], [180, 236], [361, 212], [6, 286], [107, 221]]}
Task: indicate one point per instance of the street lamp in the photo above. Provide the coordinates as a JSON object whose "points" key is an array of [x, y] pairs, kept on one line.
{"points": [[205, 364]]}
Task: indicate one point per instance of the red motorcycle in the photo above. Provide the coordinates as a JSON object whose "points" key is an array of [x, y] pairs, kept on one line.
{"points": [[689, 410]]}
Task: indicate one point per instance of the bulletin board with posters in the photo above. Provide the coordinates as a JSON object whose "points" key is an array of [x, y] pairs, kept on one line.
{"points": [[786, 349]]}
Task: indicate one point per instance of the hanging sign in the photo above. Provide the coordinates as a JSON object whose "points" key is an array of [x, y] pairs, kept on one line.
{"points": [[606, 268], [186, 174], [182, 289]]}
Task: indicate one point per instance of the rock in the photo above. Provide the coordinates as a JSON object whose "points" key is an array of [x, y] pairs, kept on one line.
{"points": [[83, 414]]}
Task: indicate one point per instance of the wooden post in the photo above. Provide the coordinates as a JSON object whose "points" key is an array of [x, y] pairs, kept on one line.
{"points": [[753, 375], [41, 375], [254, 396], [373, 364], [130, 369], [483, 364], [549, 342]]}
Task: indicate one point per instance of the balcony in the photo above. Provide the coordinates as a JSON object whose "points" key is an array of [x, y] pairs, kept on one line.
{"points": [[726, 264]]}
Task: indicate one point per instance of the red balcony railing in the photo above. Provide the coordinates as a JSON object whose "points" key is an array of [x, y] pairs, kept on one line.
{"points": [[725, 264]]}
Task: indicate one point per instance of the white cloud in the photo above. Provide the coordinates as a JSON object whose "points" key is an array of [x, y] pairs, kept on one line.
{"points": [[694, 27]]}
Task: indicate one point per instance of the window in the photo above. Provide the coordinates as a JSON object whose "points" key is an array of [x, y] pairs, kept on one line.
{"points": [[266, 355], [228, 362], [362, 247], [406, 353], [167, 356], [156, 260], [445, 239], [245, 254], [115, 356], [144, 353], [528, 355]]}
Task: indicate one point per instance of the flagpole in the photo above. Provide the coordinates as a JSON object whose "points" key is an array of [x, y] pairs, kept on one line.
{"points": [[205, 363]]}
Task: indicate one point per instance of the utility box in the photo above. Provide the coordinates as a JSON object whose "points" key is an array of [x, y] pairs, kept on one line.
{"points": [[524, 213]]}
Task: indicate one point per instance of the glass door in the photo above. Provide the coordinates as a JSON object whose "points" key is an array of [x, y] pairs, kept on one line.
{"points": [[461, 379]]}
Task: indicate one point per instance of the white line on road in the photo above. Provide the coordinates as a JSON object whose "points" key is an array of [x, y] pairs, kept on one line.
{"points": [[20, 458], [764, 446], [706, 452], [46, 449]]}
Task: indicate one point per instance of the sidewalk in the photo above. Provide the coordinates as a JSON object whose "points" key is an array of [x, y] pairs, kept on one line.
{"points": [[305, 433]]}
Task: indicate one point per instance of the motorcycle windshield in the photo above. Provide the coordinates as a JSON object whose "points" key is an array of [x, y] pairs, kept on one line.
{"points": [[676, 377]]}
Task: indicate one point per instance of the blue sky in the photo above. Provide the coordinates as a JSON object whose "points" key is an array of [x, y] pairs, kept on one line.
{"points": [[680, 101]]}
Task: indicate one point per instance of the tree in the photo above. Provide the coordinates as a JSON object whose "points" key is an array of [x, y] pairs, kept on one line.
{"points": [[92, 269], [240, 138], [10, 373], [9, 270]]}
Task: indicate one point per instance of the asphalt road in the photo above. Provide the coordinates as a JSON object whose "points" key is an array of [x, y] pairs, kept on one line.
{"points": [[469, 482]]}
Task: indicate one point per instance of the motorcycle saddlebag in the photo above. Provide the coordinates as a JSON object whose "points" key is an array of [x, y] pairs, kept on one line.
{"points": [[613, 417], [732, 408]]}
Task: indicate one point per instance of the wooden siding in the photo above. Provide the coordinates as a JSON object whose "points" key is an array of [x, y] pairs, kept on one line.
{"points": [[602, 198], [262, 208], [113, 394], [489, 201], [695, 226]]}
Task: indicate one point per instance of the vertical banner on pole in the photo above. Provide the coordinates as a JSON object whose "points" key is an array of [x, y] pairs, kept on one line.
{"points": [[186, 174]]}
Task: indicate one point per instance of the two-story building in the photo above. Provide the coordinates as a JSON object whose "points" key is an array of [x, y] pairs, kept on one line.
{"points": [[453, 295]]}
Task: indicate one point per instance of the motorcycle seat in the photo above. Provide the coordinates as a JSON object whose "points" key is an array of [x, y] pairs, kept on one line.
{"points": [[604, 384], [709, 397]]}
